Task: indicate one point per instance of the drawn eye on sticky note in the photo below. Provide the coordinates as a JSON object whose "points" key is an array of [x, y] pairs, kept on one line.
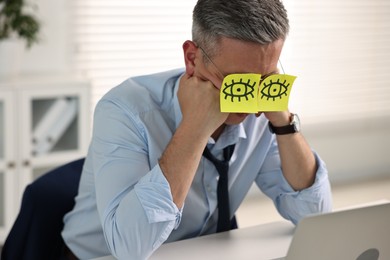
{"points": [[239, 93], [274, 92]]}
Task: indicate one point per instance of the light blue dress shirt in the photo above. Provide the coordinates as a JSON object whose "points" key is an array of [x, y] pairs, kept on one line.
{"points": [[125, 207]]}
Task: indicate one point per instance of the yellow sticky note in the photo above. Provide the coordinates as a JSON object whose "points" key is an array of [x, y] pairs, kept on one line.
{"points": [[274, 92], [239, 93]]}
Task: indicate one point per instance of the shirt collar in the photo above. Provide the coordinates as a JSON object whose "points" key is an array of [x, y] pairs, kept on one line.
{"points": [[176, 105], [230, 135]]}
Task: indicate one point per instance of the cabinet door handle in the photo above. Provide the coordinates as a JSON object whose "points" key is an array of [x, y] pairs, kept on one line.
{"points": [[26, 163], [11, 165]]}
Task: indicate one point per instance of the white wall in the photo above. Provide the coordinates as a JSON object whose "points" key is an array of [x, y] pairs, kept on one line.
{"points": [[352, 149], [53, 53]]}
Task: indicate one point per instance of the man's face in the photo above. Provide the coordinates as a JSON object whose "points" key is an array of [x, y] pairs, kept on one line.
{"points": [[235, 56]]}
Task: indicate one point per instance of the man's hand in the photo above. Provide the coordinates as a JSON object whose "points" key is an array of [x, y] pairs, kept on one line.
{"points": [[280, 118], [199, 103]]}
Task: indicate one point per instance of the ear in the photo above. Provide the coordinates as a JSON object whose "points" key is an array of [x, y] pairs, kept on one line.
{"points": [[189, 50]]}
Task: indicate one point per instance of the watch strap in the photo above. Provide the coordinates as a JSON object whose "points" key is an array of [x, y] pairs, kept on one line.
{"points": [[291, 128], [282, 130]]}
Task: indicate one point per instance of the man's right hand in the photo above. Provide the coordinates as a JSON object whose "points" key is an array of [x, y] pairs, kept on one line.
{"points": [[200, 105]]}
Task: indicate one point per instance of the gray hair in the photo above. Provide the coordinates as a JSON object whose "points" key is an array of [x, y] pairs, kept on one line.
{"points": [[259, 21]]}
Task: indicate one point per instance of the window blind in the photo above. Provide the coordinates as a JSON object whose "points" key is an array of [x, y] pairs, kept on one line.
{"points": [[116, 39], [340, 50]]}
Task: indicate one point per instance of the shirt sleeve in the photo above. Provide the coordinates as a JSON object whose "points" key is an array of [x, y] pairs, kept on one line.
{"points": [[294, 205], [134, 199]]}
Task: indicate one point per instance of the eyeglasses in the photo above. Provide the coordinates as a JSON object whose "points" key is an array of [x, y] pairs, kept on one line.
{"points": [[211, 61]]}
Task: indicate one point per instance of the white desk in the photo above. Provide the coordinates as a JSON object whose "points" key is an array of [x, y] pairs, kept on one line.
{"points": [[267, 241]]}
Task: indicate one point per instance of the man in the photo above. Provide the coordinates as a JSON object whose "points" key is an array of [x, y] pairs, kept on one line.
{"points": [[145, 181]]}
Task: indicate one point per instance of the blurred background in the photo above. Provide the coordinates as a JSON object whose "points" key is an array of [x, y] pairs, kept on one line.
{"points": [[339, 50]]}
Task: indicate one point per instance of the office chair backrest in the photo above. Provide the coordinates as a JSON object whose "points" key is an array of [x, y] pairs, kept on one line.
{"points": [[36, 233]]}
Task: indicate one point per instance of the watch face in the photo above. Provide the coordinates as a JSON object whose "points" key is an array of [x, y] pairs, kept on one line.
{"points": [[296, 122]]}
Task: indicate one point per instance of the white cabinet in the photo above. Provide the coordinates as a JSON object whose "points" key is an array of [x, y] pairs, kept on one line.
{"points": [[44, 123], [8, 182]]}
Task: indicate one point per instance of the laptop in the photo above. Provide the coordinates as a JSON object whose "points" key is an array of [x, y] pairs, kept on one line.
{"points": [[353, 234]]}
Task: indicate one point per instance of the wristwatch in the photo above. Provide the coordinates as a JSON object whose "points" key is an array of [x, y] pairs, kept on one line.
{"points": [[293, 127]]}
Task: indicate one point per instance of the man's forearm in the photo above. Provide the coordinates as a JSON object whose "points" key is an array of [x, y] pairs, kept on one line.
{"points": [[298, 162], [180, 160]]}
